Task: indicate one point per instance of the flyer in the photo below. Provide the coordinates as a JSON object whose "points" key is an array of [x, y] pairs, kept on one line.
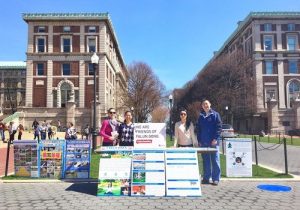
{"points": [[77, 159], [238, 157], [51, 158], [26, 158], [114, 171], [148, 172], [150, 135], [179, 161]]}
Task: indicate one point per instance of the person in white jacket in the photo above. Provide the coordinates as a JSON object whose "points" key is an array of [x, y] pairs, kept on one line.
{"points": [[184, 132]]}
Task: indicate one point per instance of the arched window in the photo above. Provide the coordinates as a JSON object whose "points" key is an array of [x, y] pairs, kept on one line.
{"points": [[293, 88]]}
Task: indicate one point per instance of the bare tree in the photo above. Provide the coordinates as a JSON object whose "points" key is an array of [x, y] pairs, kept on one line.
{"points": [[145, 90], [159, 114]]}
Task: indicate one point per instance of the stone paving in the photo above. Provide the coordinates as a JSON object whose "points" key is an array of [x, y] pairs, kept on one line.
{"points": [[230, 194]]}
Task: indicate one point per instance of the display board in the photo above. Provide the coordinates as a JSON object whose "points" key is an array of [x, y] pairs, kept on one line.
{"points": [[77, 159], [238, 157], [150, 135], [26, 158], [182, 173], [51, 158], [114, 171], [148, 172]]}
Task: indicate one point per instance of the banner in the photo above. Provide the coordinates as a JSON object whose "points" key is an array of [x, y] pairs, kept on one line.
{"points": [[26, 158], [150, 135], [182, 173], [238, 157], [51, 158], [77, 159], [114, 171], [148, 172]]}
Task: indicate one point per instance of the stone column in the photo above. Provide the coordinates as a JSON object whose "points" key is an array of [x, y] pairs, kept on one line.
{"points": [[296, 108], [272, 114], [70, 110]]}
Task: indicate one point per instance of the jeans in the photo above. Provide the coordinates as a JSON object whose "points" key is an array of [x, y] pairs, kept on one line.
{"points": [[211, 165], [2, 135]]}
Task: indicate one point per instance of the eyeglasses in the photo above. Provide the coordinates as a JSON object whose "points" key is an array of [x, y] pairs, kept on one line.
{"points": [[112, 112], [182, 114]]}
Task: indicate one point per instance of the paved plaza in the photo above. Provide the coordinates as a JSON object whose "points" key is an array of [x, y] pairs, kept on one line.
{"points": [[229, 194]]}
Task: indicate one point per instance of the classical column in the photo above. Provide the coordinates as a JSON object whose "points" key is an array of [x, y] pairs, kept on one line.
{"points": [[71, 109], [49, 84], [281, 88]]}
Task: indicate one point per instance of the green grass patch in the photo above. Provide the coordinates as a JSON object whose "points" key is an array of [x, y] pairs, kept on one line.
{"points": [[295, 141]]}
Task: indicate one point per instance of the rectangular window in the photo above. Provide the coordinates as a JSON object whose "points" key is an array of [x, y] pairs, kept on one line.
{"points": [[41, 44], [91, 44], [66, 45], [267, 27], [67, 29], [293, 68], [291, 27], [91, 69], [41, 29], [291, 43], [270, 94], [66, 69], [269, 67], [268, 43], [92, 29], [40, 69]]}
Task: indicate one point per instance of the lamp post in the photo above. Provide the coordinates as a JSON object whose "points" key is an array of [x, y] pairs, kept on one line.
{"points": [[95, 62], [170, 120], [226, 110]]}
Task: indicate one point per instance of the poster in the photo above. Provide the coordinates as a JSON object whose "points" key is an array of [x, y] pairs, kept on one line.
{"points": [[238, 157], [182, 172], [51, 158], [148, 172], [77, 163], [150, 135], [114, 171], [26, 158]]}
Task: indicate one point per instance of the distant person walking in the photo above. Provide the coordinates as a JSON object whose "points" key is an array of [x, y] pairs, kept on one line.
{"points": [[209, 131], [184, 132], [21, 130], [126, 130], [12, 131], [2, 130], [109, 129], [70, 132], [35, 124]]}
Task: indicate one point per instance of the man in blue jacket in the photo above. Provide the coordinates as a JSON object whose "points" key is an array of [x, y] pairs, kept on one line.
{"points": [[209, 130]]}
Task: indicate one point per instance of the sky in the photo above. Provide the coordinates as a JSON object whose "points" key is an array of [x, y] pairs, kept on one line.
{"points": [[175, 37]]}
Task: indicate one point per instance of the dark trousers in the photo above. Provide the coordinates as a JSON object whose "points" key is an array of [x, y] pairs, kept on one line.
{"points": [[107, 144], [12, 136]]}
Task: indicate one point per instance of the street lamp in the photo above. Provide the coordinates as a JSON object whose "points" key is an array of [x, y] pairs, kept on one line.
{"points": [[226, 110], [170, 120], [95, 62]]}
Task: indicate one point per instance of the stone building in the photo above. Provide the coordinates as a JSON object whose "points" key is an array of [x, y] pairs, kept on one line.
{"points": [[12, 86], [59, 76]]}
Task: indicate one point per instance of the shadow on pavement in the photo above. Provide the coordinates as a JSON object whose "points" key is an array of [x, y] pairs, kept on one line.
{"points": [[87, 188]]}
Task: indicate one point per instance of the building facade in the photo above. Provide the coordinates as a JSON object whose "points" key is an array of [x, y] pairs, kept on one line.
{"points": [[59, 72], [272, 41], [12, 83]]}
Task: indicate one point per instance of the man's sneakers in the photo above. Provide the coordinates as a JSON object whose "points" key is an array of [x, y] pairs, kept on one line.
{"points": [[215, 183]]}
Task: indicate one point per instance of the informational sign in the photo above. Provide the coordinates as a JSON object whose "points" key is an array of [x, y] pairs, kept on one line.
{"points": [[114, 171], [51, 158], [150, 135], [78, 154], [238, 157], [148, 172], [182, 172], [26, 158]]}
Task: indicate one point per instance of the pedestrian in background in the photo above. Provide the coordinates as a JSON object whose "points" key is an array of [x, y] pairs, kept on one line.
{"points": [[12, 131], [109, 129], [126, 131], [71, 133], [21, 130], [2, 130], [184, 132], [43, 130], [209, 130]]}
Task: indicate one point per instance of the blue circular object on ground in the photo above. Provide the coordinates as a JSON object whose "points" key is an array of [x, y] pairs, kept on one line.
{"points": [[274, 188]]}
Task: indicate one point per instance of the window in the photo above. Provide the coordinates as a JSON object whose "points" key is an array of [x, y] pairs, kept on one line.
{"points": [[92, 29], [270, 93], [66, 45], [40, 69], [91, 44], [286, 123], [67, 29], [248, 47], [66, 69], [267, 27], [293, 91], [293, 68], [41, 44], [269, 67], [91, 69], [291, 27], [41, 29], [268, 43], [291, 43]]}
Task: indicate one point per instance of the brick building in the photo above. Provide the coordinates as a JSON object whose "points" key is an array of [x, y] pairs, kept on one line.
{"points": [[59, 78]]}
